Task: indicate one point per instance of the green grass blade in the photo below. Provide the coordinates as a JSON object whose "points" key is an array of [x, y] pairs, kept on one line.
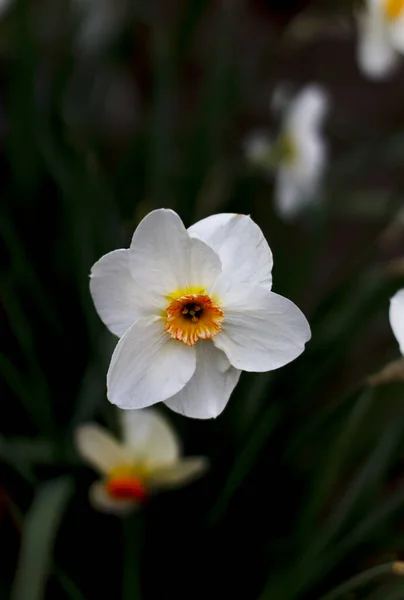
{"points": [[39, 532], [244, 461]]}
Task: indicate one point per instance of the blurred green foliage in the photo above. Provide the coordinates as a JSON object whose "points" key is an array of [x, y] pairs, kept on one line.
{"points": [[306, 487]]}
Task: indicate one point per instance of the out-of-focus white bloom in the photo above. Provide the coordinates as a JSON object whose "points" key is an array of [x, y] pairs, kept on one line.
{"points": [[302, 151], [192, 308], [381, 36], [146, 461], [396, 316], [299, 153]]}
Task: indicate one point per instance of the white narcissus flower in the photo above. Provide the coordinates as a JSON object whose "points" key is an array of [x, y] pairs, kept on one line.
{"points": [[303, 151], [298, 155], [146, 461], [396, 316], [380, 36], [192, 308]]}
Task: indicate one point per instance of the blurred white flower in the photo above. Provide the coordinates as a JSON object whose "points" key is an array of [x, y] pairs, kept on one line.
{"points": [[146, 461], [393, 371], [381, 36], [192, 307], [302, 150], [299, 153], [396, 316]]}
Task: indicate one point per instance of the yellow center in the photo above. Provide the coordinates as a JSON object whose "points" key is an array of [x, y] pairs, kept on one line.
{"points": [[393, 9], [286, 149], [191, 317]]}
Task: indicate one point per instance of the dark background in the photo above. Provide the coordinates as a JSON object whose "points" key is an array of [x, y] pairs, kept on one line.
{"points": [[306, 482]]}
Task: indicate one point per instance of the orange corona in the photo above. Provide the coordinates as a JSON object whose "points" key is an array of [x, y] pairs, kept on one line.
{"points": [[393, 8], [126, 487], [192, 317]]}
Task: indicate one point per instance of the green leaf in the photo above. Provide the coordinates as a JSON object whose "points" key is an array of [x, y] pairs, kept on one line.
{"points": [[245, 460], [41, 524], [22, 454]]}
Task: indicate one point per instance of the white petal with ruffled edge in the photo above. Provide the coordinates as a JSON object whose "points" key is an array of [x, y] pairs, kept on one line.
{"points": [[164, 259], [98, 448], [208, 391], [396, 316], [150, 436], [102, 501], [240, 244], [114, 292], [179, 474], [148, 366], [262, 331]]}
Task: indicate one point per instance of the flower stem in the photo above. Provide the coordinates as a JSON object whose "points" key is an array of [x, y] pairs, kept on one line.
{"points": [[396, 568], [132, 530]]}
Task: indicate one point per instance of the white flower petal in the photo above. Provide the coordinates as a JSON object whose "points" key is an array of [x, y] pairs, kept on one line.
{"points": [[289, 200], [179, 474], [396, 32], [159, 253], [300, 171], [205, 265], [208, 391], [114, 291], [99, 448], [262, 331], [164, 259], [148, 366], [102, 501], [306, 111], [150, 436], [377, 57], [240, 243], [297, 184], [396, 316]]}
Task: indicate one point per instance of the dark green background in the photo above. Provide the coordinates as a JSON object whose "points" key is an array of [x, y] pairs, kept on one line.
{"points": [[306, 484]]}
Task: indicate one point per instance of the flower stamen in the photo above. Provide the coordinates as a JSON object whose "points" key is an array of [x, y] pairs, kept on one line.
{"points": [[192, 317]]}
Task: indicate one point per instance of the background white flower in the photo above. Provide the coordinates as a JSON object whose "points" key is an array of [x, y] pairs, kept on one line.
{"points": [[147, 460], [298, 155], [192, 308], [396, 315], [380, 36], [303, 151]]}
